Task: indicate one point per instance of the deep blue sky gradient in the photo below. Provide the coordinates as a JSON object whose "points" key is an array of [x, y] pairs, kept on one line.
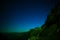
{"points": [[23, 15]]}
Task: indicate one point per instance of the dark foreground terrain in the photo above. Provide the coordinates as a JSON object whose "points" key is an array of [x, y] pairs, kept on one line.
{"points": [[49, 31]]}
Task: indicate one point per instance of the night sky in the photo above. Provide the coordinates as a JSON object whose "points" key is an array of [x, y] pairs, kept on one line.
{"points": [[23, 15]]}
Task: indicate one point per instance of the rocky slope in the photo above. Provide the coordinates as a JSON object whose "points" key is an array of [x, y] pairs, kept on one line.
{"points": [[51, 29]]}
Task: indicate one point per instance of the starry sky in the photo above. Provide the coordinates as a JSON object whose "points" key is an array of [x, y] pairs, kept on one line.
{"points": [[23, 15]]}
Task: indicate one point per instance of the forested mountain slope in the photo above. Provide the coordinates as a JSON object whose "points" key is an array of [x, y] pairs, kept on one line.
{"points": [[51, 29]]}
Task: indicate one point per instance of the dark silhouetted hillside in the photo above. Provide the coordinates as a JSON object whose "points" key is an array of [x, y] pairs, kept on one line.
{"points": [[51, 29]]}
